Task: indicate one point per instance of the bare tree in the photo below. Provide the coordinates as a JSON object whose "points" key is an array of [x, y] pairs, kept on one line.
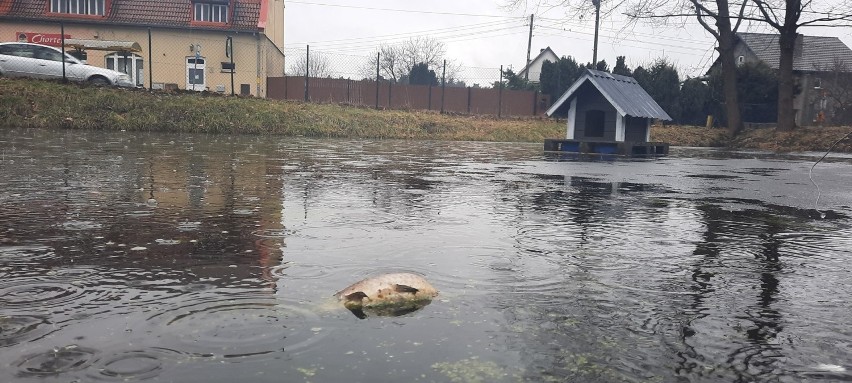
{"points": [[318, 66], [396, 61], [389, 63], [420, 49], [713, 15], [786, 16]]}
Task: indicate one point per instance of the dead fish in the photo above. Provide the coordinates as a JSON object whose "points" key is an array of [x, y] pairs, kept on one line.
{"points": [[387, 295]]}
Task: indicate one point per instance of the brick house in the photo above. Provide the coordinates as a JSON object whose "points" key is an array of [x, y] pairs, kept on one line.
{"points": [[817, 63], [192, 42]]}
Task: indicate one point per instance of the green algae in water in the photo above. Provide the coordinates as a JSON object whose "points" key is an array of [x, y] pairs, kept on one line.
{"points": [[471, 370]]}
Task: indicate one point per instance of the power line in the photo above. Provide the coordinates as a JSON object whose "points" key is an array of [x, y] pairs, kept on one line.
{"points": [[397, 36], [405, 10], [612, 38], [371, 43]]}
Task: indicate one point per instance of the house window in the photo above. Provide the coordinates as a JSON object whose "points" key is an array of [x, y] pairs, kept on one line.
{"points": [[131, 64], [214, 13], [740, 60], [78, 7], [817, 83]]}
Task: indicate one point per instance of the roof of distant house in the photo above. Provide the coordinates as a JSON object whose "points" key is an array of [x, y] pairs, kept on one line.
{"points": [[544, 52], [818, 53], [245, 15], [623, 92]]}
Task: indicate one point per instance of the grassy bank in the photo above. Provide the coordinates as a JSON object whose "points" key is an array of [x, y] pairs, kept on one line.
{"points": [[38, 104], [41, 104]]}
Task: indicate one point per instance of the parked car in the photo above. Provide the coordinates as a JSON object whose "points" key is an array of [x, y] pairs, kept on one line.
{"points": [[42, 61]]}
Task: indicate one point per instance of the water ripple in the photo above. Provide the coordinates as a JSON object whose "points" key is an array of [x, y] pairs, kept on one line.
{"points": [[16, 329], [56, 361], [236, 327], [135, 364]]}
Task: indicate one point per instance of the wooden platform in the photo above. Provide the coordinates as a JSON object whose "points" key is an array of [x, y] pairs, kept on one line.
{"points": [[631, 149]]}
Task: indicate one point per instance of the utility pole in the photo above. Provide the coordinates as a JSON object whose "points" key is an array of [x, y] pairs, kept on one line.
{"points": [[529, 47], [597, 4]]}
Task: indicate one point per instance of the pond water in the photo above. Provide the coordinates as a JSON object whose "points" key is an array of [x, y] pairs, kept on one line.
{"points": [[191, 258]]}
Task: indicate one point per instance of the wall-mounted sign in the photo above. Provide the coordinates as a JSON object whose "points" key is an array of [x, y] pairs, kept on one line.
{"points": [[52, 39]]}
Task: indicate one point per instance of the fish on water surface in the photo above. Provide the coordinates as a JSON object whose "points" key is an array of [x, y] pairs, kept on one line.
{"points": [[387, 295]]}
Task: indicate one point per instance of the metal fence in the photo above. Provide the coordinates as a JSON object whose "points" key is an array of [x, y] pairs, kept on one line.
{"points": [[230, 62], [325, 77], [224, 62]]}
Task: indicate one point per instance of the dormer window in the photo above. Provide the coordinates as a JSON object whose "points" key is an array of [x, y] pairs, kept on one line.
{"points": [[210, 12], [78, 7]]}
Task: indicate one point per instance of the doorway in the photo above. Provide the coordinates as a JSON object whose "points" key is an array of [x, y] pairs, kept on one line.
{"points": [[595, 123], [195, 70]]}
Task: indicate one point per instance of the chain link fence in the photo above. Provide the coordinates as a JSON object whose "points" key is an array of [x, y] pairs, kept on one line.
{"points": [[327, 77], [229, 62], [223, 62]]}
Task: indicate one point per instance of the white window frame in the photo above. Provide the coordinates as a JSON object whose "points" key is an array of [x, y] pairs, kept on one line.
{"points": [[79, 7], [136, 66], [211, 13]]}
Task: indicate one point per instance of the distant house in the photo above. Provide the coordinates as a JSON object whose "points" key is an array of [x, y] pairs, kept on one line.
{"points": [[815, 60], [194, 44], [532, 71], [606, 107]]}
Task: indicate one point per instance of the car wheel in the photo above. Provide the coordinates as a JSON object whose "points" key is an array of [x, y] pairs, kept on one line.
{"points": [[98, 81]]}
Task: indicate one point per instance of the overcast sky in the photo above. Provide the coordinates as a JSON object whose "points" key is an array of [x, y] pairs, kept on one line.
{"points": [[481, 34]]}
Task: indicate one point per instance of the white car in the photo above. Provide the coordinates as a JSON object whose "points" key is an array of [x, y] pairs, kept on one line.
{"points": [[42, 61]]}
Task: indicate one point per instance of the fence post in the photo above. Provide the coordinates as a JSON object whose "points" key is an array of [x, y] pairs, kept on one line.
{"points": [[307, 72], [430, 97], [378, 56], [230, 48], [500, 95], [390, 85], [535, 103], [468, 100], [150, 62], [62, 37], [349, 92], [443, 85]]}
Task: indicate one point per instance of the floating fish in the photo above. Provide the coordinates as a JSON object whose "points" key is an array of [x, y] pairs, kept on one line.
{"points": [[387, 295]]}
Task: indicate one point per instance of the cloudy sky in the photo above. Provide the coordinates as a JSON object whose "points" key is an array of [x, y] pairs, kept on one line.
{"points": [[481, 35]]}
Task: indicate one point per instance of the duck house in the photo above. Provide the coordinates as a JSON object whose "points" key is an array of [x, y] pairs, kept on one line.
{"points": [[607, 114]]}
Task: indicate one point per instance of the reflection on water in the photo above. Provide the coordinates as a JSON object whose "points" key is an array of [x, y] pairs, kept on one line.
{"points": [[132, 257]]}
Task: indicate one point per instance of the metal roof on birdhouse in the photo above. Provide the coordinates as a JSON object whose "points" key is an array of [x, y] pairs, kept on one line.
{"points": [[622, 92]]}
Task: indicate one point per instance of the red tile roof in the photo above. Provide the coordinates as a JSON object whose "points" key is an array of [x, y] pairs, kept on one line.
{"points": [[153, 13]]}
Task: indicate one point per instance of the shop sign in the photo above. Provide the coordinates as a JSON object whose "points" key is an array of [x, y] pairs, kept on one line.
{"points": [[52, 39]]}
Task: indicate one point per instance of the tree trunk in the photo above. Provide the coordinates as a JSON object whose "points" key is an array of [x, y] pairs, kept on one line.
{"points": [[729, 69], [786, 113], [787, 43]]}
